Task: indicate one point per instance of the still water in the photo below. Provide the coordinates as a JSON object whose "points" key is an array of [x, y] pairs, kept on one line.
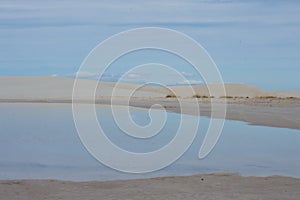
{"points": [[39, 141]]}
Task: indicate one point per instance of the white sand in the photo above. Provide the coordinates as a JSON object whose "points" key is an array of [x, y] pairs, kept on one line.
{"points": [[62, 88], [288, 93]]}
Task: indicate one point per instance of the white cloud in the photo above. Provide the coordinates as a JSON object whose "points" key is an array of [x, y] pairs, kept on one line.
{"points": [[83, 74], [186, 82], [133, 76], [107, 77]]}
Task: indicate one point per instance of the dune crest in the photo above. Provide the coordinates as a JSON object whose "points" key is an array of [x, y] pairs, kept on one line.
{"points": [[61, 88]]}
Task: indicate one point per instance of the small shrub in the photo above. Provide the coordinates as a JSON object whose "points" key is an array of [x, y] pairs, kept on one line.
{"points": [[227, 97], [171, 96], [291, 97], [267, 97], [200, 96]]}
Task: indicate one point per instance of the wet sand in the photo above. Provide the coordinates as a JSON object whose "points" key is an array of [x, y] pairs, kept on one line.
{"points": [[281, 113], [214, 186]]}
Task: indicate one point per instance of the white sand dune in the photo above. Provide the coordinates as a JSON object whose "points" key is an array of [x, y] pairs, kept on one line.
{"points": [[233, 90], [288, 93], [61, 88]]}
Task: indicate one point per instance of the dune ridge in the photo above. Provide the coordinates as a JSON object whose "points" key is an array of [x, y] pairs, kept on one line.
{"points": [[61, 88]]}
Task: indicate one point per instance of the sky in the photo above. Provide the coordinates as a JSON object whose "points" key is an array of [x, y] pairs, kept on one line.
{"points": [[251, 42]]}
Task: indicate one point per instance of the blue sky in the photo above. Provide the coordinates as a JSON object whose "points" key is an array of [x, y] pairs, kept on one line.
{"points": [[252, 42]]}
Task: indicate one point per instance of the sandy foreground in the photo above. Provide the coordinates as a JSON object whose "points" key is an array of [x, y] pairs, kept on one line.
{"points": [[214, 186], [244, 103]]}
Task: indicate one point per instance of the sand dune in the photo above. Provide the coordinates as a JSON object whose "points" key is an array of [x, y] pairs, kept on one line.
{"points": [[288, 93], [232, 90], [61, 88]]}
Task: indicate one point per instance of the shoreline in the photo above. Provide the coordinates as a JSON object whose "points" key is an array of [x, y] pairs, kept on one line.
{"points": [[273, 112], [206, 186]]}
